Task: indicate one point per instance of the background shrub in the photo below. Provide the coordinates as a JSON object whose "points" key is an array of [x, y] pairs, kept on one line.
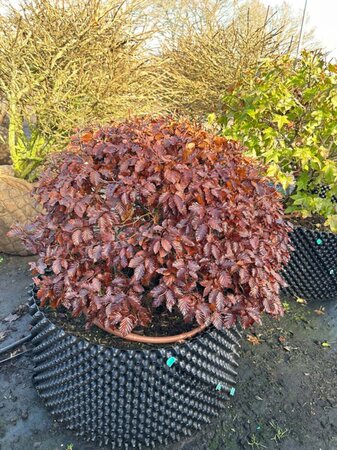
{"points": [[209, 44], [286, 116], [157, 212], [69, 63], [73, 63]]}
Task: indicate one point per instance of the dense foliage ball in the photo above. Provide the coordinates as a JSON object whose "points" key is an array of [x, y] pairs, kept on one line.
{"points": [[156, 212]]}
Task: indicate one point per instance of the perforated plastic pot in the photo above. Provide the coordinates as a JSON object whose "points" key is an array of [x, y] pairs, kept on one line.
{"points": [[132, 398], [311, 272]]}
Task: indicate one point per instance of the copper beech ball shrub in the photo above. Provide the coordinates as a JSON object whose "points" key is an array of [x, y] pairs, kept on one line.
{"points": [[150, 213]]}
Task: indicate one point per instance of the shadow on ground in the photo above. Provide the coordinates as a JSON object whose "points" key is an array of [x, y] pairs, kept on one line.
{"points": [[286, 396]]}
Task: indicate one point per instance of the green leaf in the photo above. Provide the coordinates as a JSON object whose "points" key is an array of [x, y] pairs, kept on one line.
{"points": [[211, 118], [330, 171], [331, 222], [251, 113], [325, 344], [302, 181], [334, 101], [280, 120], [286, 180], [273, 170]]}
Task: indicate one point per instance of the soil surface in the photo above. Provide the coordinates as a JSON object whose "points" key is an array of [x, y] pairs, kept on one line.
{"points": [[95, 335], [172, 325], [286, 397], [315, 222]]}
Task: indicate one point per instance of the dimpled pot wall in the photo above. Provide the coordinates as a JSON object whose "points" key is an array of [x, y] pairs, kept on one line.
{"points": [[132, 398], [311, 272]]}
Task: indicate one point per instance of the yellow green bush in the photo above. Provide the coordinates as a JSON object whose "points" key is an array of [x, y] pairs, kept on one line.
{"points": [[285, 113]]}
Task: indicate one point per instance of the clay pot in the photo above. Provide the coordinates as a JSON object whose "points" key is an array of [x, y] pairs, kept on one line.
{"points": [[4, 150], [16, 206], [7, 169], [152, 339]]}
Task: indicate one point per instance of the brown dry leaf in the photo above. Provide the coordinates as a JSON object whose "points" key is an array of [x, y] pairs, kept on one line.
{"points": [[11, 318], [254, 340], [86, 137], [320, 311], [282, 339]]}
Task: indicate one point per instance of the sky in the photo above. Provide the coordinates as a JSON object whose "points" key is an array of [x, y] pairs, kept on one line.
{"points": [[322, 16]]}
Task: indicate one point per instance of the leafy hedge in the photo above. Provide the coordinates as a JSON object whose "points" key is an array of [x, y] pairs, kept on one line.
{"points": [[285, 114]]}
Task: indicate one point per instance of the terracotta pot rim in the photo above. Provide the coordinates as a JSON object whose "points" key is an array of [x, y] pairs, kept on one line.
{"points": [[151, 339]]}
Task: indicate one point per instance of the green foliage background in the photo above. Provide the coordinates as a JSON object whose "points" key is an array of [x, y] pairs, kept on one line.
{"points": [[285, 113]]}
